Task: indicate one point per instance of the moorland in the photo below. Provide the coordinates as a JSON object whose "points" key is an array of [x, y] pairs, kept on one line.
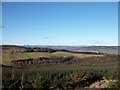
{"points": [[49, 68]]}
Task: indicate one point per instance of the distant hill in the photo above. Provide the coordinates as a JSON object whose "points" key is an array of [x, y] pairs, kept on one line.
{"points": [[15, 48], [9, 48], [103, 49], [50, 49]]}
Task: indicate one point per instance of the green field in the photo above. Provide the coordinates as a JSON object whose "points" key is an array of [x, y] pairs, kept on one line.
{"points": [[8, 57]]}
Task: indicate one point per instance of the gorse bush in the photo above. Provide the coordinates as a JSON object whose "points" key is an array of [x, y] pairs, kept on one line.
{"points": [[61, 80], [41, 83]]}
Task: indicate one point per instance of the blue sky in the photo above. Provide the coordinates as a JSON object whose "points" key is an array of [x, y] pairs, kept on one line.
{"points": [[60, 23]]}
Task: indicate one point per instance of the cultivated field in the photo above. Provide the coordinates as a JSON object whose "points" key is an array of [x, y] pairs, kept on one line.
{"points": [[8, 57]]}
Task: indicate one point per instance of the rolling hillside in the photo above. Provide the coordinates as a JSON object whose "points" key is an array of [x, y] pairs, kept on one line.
{"points": [[12, 52], [103, 49]]}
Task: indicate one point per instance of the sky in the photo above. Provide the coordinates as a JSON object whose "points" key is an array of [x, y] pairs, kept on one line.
{"points": [[60, 23]]}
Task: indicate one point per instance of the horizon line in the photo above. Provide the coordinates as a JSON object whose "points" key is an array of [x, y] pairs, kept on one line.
{"points": [[55, 45]]}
